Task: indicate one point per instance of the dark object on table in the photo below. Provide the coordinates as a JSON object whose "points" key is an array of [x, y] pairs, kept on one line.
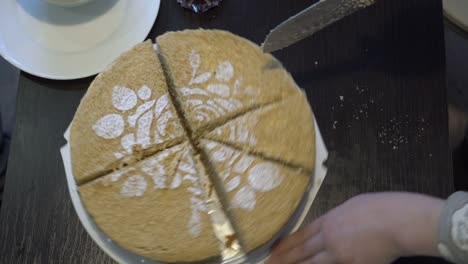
{"points": [[1, 134], [460, 166], [199, 6], [3, 159], [3, 165], [456, 44]]}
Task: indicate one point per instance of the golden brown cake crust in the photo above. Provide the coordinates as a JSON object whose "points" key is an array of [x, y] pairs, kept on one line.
{"points": [[95, 155], [218, 83], [283, 131], [157, 215], [218, 75], [263, 195]]}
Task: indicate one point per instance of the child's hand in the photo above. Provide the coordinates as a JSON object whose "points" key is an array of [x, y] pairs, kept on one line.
{"points": [[370, 228]]}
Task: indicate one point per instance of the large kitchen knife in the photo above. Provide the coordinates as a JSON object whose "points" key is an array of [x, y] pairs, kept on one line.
{"points": [[311, 20]]}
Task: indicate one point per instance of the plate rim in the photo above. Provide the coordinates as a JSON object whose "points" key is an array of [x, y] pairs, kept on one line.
{"points": [[13, 61], [258, 255]]}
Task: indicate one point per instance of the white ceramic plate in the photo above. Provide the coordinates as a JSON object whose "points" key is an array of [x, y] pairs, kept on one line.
{"points": [[259, 255], [70, 43], [457, 12]]}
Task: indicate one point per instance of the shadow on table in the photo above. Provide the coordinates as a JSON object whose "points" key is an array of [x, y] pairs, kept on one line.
{"points": [[57, 15], [76, 84], [364, 48], [421, 260], [456, 43], [460, 166]]}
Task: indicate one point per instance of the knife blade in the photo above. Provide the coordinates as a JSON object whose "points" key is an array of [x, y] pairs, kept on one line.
{"points": [[311, 20]]}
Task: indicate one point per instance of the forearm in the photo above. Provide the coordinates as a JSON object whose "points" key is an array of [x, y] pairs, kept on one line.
{"points": [[381, 227], [416, 231], [430, 226]]}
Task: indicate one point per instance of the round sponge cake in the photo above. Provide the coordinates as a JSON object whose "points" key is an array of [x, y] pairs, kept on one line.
{"points": [[166, 129]]}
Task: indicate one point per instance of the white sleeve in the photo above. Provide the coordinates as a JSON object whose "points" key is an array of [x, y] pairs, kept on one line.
{"points": [[453, 229]]}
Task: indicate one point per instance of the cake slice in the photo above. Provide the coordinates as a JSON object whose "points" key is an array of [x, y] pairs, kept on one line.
{"points": [[216, 76], [283, 131], [126, 115], [262, 194], [155, 208]]}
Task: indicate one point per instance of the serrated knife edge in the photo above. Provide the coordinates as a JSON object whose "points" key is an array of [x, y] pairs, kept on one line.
{"points": [[311, 20]]}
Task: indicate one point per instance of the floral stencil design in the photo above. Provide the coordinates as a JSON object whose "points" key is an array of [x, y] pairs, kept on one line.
{"points": [[140, 122], [153, 172], [216, 99], [261, 176]]}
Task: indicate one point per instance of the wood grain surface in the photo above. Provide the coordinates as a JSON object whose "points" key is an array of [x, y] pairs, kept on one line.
{"points": [[376, 81]]}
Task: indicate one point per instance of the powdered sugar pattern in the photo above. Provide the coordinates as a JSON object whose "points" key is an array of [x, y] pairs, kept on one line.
{"points": [[143, 132], [232, 165], [135, 185], [243, 175], [195, 223], [214, 100], [144, 93], [264, 177], [163, 121], [245, 199], [176, 182], [139, 123], [219, 89], [154, 170], [187, 172], [162, 103], [127, 142], [115, 176], [195, 61], [233, 183], [109, 126], [141, 109], [238, 130], [123, 98], [224, 72], [201, 78], [243, 164]]}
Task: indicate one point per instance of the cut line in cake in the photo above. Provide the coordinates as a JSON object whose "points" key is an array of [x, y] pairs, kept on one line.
{"points": [[268, 133], [188, 98], [250, 184], [123, 118], [172, 173], [223, 227], [210, 91], [258, 154]]}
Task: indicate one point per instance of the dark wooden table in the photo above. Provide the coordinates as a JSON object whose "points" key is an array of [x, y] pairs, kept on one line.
{"points": [[376, 82]]}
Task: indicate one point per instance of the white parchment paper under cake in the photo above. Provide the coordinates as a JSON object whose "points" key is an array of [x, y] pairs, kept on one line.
{"points": [[259, 255]]}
